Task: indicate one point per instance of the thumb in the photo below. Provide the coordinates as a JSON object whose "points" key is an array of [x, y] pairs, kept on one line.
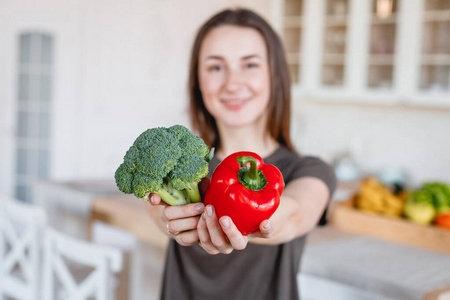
{"points": [[266, 229], [154, 199]]}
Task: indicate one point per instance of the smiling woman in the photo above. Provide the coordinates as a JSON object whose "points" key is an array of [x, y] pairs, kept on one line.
{"points": [[239, 100]]}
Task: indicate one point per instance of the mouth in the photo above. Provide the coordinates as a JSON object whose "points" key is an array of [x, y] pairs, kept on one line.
{"points": [[234, 103]]}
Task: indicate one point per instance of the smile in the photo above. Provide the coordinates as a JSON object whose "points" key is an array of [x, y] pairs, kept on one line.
{"points": [[234, 102]]}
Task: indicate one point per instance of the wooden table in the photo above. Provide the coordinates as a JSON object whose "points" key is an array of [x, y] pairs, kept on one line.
{"points": [[128, 213]]}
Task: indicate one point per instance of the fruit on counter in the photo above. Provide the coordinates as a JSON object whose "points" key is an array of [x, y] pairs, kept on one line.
{"points": [[419, 212], [443, 220], [425, 203], [375, 197]]}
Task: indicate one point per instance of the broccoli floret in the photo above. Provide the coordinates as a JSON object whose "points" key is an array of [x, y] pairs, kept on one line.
{"points": [[186, 175], [167, 161], [143, 184], [158, 152], [124, 179]]}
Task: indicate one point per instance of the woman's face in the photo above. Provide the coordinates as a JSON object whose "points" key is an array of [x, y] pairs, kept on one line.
{"points": [[234, 75]]}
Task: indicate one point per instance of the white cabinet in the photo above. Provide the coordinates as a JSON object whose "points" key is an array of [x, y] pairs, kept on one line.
{"points": [[377, 51], [435, 48]]}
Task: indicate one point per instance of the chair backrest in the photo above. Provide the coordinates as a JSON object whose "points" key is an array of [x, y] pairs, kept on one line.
{"points": [[21, 229], [62, 251]]}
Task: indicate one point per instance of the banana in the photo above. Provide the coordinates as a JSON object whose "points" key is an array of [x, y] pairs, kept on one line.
{"points": [[377, 198]]}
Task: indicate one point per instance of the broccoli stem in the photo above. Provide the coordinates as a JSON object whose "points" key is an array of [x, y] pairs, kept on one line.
{"points": [[193, 192], [172, 196]]}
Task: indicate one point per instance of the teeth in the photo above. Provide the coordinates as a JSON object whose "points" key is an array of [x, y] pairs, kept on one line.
{"points": [[235, 102]]}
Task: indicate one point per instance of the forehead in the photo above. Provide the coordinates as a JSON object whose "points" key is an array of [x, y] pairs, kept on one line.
{"points": [[230, 40]]}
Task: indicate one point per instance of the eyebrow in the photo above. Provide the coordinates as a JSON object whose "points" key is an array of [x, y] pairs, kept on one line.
{"points": [[243, 58]]}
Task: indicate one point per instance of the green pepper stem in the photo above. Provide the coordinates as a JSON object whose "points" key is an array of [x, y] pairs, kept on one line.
{"points": [[251, 177]]}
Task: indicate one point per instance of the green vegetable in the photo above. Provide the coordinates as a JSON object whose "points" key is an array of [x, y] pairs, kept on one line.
{"points": [[167, 161], [440, 195], [425, 203]]}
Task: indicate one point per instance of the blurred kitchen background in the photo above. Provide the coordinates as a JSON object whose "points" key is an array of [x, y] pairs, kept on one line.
{"points": [[80, 79]]}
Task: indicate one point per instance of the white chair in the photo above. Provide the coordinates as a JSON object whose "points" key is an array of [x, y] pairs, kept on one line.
{"points": [[21, 228], [62, 252]]}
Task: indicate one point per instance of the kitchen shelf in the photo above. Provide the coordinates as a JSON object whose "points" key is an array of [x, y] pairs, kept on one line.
{"points": [[337, 20], [293, 8], [381, 60], [293, 58], [293, 22], [376, 20], [334, 47], [292, 36], [437, 5], [436, 59], [435, 52], [431, 16], [334, 59]]}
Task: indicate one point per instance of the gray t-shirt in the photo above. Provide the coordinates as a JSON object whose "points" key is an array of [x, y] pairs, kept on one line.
{"points": [[257, 272]]}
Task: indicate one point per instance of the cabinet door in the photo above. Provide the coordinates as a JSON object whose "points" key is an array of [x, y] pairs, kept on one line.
{"points": [[382, 51], [292, 37], [335, 29], [435, 48]]}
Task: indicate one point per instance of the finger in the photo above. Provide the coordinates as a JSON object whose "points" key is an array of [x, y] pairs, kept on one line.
{"points": [[204, 237], [170, 233], [182, 211], [218, 238], [187, 238], [237, 240], [154, 199], [181, 225], [266, 230]]}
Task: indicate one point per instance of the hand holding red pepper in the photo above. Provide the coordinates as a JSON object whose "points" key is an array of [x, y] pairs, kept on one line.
{"points": [[245, 189]]}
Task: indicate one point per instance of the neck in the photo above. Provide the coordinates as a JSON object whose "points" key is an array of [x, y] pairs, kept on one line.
{"points": [[251, 138]]}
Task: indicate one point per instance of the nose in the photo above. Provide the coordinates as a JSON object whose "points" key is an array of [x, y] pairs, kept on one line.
{"points": [[234, 80]]}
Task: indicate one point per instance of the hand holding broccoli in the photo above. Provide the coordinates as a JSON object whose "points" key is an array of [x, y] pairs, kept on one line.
{"points": [[167, 161]]}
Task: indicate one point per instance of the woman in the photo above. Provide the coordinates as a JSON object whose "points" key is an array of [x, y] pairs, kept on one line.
{"points": [[239, 93]]}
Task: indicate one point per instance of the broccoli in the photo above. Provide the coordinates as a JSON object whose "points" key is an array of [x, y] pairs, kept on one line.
{"points": [[167, 161]]}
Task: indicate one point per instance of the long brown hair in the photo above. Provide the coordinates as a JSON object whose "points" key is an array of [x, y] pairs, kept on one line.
{"points": [[279, 107]]}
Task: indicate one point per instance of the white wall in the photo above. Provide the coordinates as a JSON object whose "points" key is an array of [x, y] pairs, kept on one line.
{"points": [[135, 57], [414, 140], [121, 67]]}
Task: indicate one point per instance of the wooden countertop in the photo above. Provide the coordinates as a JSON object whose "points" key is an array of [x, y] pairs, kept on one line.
{"points": [[128, 213]]}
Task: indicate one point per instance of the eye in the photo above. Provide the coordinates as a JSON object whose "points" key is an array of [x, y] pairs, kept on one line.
{"points": [[251, 65], [215, 68]]}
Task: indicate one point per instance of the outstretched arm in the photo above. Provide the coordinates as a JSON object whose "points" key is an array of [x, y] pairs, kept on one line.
{"points": [[301, 206]]}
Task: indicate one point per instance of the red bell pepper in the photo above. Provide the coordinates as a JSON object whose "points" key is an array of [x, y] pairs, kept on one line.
{"points": [[245, 189]]}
